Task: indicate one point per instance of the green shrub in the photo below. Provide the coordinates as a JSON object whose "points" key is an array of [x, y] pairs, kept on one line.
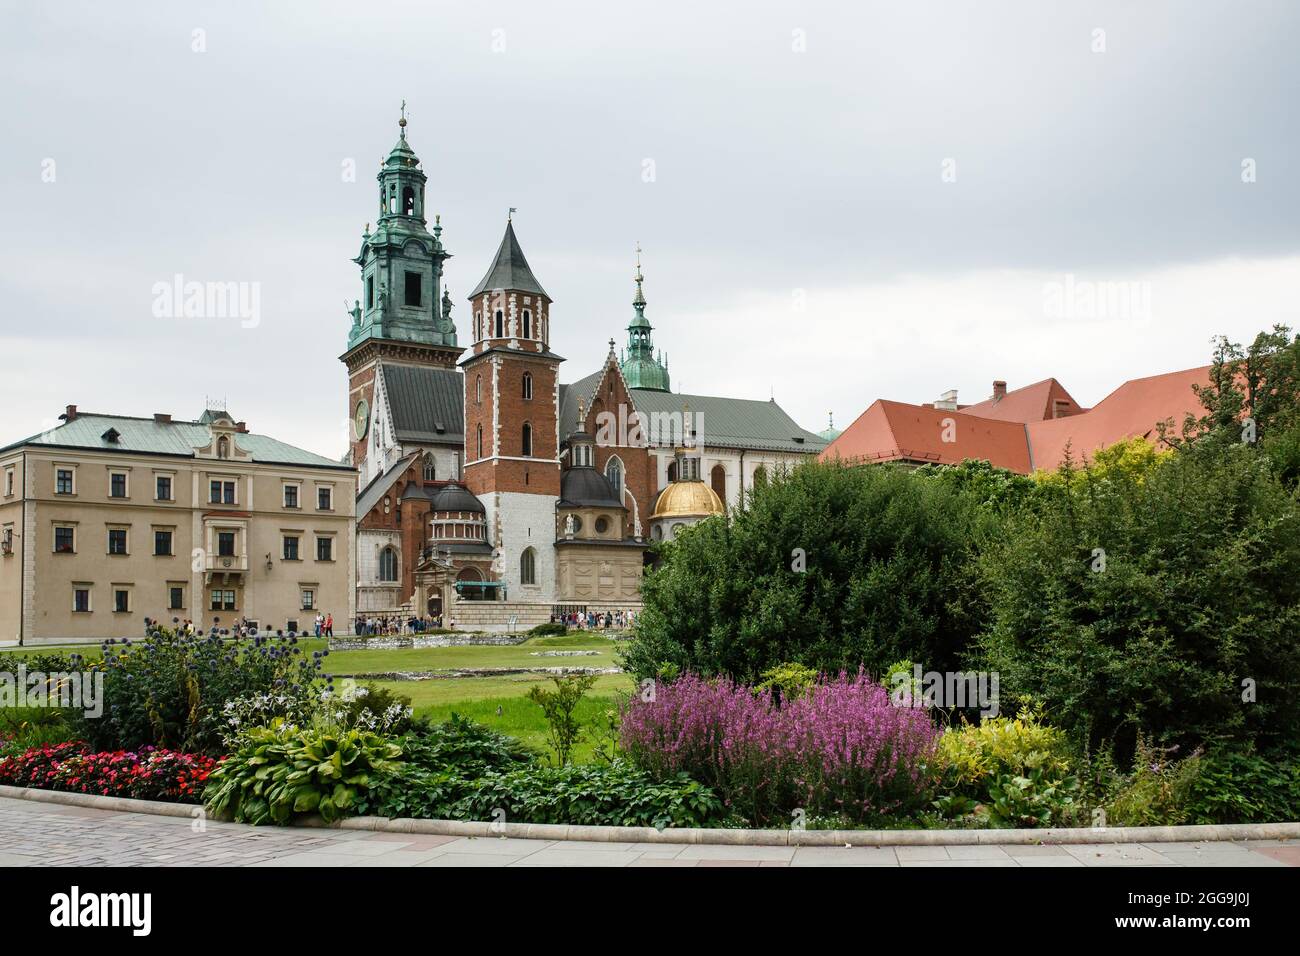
{"points": [[884, 575], [22, 728], [462, 747], [1245, 788], [614, 794], [1006, 772], [788, 681], [281, 771], [1157, 792], [1199, 592], [371, 707], [549, 629]]}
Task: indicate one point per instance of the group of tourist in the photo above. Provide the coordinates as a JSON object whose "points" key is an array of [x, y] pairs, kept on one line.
{"points": [[616, 620], [388, 624]]}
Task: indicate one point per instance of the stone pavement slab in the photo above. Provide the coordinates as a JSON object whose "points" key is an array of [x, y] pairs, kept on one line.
{"points": [[48, 834]]}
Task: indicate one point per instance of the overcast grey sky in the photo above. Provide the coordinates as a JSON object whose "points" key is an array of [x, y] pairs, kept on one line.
{"points": [[848, 201]]}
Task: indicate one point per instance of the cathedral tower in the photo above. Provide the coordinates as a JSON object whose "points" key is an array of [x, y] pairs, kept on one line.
{"points": [[403, 315], [640, 368], [512, 432]]}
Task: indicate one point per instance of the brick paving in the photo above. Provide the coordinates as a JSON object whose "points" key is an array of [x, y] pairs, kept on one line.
{"points": [[42, 834]]}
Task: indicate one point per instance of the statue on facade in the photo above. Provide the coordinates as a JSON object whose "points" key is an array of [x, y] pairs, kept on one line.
{"points": [[568, 526], [355, 311], [447, 325]]}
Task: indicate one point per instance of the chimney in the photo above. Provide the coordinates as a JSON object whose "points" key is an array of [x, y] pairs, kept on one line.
{"points": [[70, 414], [947, 401], [162, 418], [241, 427], [999, 390]]}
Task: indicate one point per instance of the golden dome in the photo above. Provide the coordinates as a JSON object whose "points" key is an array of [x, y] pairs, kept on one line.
{"points": [[687, 499]]}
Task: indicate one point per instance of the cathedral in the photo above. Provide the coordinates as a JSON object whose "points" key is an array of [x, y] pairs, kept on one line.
{"points": [[490, 493]]}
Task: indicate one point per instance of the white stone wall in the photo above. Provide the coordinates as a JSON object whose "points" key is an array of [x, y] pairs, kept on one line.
{"points": [[369, 545], [526, 521], [730, 460]]}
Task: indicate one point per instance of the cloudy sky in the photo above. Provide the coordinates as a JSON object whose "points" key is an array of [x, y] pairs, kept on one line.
{"points": [[836, 202]]}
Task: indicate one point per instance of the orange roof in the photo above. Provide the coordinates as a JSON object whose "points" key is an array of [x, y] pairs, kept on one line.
{"points": [[897, 431], [1032, 403], [1133, 409], [1018, 432]]}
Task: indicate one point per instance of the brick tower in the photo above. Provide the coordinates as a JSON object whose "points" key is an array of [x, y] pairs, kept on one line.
{"points": [[512, 434]]}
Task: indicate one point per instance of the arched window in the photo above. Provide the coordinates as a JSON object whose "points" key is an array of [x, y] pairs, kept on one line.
{"points": [[479, 442], [718, 479], [429, 471], [223, 447], [478, 389], [528, 324], [760, 476], [388, 565], [501, 328], [408, 201], [614, 472], [528, 567], [528, 384], [672, 471], [526, 443], [392, 199]]}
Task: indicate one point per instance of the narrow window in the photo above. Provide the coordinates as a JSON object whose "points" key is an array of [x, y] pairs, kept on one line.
{"points": [[526, 444], [500, 324], [478, 389], [117, 485], [290, 547], [122, 601], [370, 292], [163, 489], [413, 289], [480, 442], [408, 201], [528, 385], [324, 499], [388, 565], [429, 470], [528, 567], [528, 324], [176, 599], [614, 472]]}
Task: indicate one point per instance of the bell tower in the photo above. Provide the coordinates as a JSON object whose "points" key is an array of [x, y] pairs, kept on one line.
{"points": [[403, 313], [512, 432]]}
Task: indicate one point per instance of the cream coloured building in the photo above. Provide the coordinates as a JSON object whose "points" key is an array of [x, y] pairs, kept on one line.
{"points": [[106, 520]]}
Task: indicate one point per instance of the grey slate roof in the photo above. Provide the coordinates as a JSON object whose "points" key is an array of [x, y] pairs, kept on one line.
{"points": [[581, 487], [177, 438], [425, 400], [379, 486], [510, 269], [727, 422]]}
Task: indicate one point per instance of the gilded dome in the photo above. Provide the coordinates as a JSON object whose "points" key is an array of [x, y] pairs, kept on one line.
{"points": [[687, 499]]}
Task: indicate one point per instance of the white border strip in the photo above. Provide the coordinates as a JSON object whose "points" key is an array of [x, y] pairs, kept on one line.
{"points": [[553, 831]]}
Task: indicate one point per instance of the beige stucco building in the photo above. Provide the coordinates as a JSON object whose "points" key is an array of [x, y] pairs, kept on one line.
{"points": [[106, 520]]}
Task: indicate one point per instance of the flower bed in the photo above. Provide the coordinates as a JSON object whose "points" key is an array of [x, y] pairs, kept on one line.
{"points": [[145, 774]]}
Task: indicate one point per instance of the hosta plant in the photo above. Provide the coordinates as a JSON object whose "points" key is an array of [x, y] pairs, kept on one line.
{"points": [[281, 771]]}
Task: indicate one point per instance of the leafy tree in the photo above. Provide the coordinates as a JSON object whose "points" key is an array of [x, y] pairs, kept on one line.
{"points": [[830, 567], [1261, 382]]}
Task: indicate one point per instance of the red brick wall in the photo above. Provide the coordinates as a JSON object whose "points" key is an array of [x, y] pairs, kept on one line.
{"points": [[638, 467], [536, 477]]}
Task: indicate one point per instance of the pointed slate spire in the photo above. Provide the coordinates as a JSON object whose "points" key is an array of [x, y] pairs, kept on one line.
{"points": [[509, 271]]}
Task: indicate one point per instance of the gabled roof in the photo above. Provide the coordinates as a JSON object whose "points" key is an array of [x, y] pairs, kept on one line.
{"points": [[510, 269], [148, 436], [1132, 410], [897, 431], [427, 404], [380, 485], [1031, 403]]}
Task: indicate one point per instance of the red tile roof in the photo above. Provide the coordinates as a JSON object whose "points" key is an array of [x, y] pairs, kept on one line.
{"points": [[1019, 431], [1032, 403]]}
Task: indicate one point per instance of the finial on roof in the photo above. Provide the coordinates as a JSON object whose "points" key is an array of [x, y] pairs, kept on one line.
{"points": [[611, 347], [402, 122], [830, 419], [510, 216]]}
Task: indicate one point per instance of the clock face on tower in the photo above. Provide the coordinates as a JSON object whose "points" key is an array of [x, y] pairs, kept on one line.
{"points": [[361, 420]]}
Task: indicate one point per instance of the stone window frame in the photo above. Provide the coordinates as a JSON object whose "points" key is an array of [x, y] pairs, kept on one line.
{"points": [[89, 588], [325, 536], [177, 586], [528, 566], [109, 530], [169, 530], [10, 483], [58, 526], [72, 482], [170, 478], [129, 591], [115, 472], [287, 484], [328, 488]]}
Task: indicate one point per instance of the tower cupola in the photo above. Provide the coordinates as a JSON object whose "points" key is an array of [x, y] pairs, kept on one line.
{"points": [[640, 368]]}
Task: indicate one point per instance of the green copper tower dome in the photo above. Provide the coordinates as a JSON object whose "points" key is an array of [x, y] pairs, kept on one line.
{"points": [[639, 366]]}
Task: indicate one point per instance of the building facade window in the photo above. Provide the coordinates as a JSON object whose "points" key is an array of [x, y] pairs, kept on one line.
{"points": [[526, 441], [221, 492], [324, 498], [63, 481], [290, 551], [528, 567], [65, 541], [528, 387], [614, 472], [222, 600], [162, 543], [81, 600], [413, 289], [162, 488], [117, 541], [122, 600], [308, 599], [478, 442], [528, 324], [176, 598], [225, 544], [9, 482], [478, 389], [291, 496], [324, 549], [117, 484], [430, 471], [501, 320], [388, 565]]}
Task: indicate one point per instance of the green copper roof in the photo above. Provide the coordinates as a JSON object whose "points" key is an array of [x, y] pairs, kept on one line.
{"points": [[509, 270], [830, 432], [640, 367], [147, 436]]}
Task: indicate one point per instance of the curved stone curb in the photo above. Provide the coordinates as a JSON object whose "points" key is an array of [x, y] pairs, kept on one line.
{"points": [[556, 831]]}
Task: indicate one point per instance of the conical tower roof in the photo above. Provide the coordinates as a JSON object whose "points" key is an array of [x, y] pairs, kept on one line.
{"points": [[509, 270]]}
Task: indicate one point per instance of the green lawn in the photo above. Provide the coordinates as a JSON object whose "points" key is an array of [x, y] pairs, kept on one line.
{"points": [[451, 658]]}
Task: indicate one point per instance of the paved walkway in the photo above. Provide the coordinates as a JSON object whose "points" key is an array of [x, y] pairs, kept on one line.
{"points": [[41, 834]]}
